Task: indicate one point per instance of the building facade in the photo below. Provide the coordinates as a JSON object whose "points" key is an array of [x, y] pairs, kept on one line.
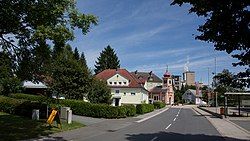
{"points": [[125, 88], [189, 78]]}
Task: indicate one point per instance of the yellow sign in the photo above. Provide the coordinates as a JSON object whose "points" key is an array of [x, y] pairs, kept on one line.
{"points": [[51, 117], [54, 114]]}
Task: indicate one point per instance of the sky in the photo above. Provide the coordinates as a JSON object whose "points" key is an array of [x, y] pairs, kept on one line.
{"points": [[149, 35]]}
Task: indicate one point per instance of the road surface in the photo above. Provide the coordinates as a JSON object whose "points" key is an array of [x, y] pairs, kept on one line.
{"points": [[175, 124]]}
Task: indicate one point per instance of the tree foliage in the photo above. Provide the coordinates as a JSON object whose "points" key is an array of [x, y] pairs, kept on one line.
{"points": [[107, 60], [227, 26], [99, 92], [69, 77], [30, 27]]}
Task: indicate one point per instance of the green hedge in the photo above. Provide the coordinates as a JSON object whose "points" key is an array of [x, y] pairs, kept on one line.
{"points": [[144, 108], [21, 107], [159, 105], [130, 110], [29, 97], [96, 110]]}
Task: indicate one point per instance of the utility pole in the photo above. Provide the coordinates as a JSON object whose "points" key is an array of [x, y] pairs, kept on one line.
{"points": [[215, 84]]}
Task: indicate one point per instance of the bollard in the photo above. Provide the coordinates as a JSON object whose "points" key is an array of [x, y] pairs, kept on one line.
{"points": [[69, 116], [35, 114]]}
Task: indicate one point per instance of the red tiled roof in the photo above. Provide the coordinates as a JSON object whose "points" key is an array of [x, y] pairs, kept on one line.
{"points": [[108, 73]]}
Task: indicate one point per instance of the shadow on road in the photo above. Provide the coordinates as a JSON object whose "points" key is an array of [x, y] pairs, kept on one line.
{"points": [[161, 136]]}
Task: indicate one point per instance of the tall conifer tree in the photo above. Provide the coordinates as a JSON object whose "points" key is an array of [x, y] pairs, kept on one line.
{"points": [[107, 60]]}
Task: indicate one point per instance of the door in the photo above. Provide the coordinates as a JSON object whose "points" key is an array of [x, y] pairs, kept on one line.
{"points": [[117, 101]]}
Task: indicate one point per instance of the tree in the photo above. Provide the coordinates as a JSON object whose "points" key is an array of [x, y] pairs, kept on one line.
{"points": [[99, 92], [26, 24], [226, 82], [227, 27], [9, 83], [83, 60], [107, 60], [76, 54], [69, 77]]}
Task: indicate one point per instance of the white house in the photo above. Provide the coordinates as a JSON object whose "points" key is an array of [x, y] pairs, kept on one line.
{"points": [[125, 88], [192, 96]]}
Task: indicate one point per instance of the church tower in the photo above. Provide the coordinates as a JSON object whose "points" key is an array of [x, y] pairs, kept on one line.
{"points": [[168, 85]]}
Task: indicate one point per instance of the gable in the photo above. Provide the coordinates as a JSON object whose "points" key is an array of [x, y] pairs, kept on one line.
{"points": [[117, 80]]}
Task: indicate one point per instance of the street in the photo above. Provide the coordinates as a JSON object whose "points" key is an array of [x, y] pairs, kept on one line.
{"points": [[177, 123]]}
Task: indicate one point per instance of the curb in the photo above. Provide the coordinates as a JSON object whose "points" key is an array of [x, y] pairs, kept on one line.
{"points": [[223, 135], [213, 113]]}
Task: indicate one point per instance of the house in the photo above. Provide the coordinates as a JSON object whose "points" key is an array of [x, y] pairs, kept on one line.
{"points": [[125, 87], [193, 97], [164, 92], [34, 88], [148, 79], [177, 82]]}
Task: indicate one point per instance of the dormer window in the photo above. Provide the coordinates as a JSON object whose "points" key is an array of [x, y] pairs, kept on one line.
{"points": [[110, 83], [115, 83], [120, 83], [124, 83]]}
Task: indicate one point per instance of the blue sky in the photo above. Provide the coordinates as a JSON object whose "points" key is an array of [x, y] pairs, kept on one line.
{"points": [[148, 35]]}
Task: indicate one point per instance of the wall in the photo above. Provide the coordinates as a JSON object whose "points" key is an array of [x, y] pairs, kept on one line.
{"points": [[139, 97]]}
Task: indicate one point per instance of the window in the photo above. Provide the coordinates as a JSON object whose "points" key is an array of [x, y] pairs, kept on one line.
{"points": [[169, 81], [132, 93], [120, 83], [124, 94], [156, 98], [117, 91], [110, 83], [115, 83], [124, 83]]}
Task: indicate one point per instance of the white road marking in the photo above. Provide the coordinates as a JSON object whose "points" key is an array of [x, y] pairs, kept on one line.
{"points": [[154, 138], [168, 126], [177, 115], [141, 120], [174, 119]]}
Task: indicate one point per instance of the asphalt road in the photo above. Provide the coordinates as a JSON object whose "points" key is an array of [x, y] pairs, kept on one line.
{"points": [[175, 124]]}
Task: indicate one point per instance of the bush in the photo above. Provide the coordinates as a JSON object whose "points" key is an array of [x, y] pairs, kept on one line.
{"points": [[96, 110], [21, 107], [144, 108], [29, 97], [130, 110], [159, 105]]}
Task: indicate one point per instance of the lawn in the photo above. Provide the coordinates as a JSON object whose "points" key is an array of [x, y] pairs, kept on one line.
{"points": [[19, 128]]}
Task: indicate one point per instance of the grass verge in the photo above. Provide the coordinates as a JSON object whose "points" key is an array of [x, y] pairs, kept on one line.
{"points": [[20, 128]]}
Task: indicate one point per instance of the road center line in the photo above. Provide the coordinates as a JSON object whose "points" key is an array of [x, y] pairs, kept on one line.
{"points": [[168, 126], [174, 119], [154, 138]]}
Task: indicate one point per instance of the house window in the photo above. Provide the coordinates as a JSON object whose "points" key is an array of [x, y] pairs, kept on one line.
{"points": [[124, 94], [115, 83], [124, 83], [120, 83], [110, 83], [156, 98], [117, 91], [132, 93]]}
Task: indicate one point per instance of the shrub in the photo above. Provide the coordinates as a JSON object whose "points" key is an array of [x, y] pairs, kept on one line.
{"points": [[159, 105], [144, 108], [130, 110], [21, 107], [80, 107], [29, 97]]}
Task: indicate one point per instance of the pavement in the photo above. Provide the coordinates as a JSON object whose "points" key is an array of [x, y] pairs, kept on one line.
{"points": [[240, 121], [225, 127]]}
